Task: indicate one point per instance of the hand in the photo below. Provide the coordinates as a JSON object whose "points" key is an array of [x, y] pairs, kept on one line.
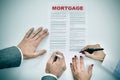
{"points": [[56, 67], [78, 69], [31, 41], [97, 55]]}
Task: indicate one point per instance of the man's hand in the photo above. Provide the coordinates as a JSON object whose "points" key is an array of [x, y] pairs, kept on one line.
{"points": [[56, 67], [97, 55], [31, 41], [78, 69]]}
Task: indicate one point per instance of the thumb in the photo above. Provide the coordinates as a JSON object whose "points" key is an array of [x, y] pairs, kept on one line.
{"points": [[90, 69], [88, 55], [40, 52]]}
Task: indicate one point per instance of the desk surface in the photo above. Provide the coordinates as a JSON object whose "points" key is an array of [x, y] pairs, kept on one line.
{"points": [[17, 16]]}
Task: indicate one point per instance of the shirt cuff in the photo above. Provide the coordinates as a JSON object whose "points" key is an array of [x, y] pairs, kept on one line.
{"points": [[21, 54], [48, 74], [110, 62]]}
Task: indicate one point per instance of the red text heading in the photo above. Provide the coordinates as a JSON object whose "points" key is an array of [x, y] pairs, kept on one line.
{"points": [[67, 7]]}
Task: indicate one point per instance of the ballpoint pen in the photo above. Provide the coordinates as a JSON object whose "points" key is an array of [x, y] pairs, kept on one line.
{"points": [[91, 50]]}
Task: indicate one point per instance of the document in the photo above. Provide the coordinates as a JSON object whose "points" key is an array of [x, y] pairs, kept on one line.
{"points": [[67, 27]]}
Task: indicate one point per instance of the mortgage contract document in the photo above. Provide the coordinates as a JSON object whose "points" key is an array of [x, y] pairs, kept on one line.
{"points": [[67, 27]]}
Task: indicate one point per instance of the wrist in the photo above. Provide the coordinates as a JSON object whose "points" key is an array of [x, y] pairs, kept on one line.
{"points": [[23, 56], [50, 74], [20, 53]]}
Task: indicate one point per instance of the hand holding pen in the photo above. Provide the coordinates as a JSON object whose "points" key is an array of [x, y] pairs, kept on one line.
{"points": [[56, 64], [94, 52]]}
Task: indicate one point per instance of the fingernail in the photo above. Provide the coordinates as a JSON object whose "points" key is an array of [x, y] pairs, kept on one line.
{"points": [[39, 28], [92, 65], [32, 29], [75, 56], [72, 58]]}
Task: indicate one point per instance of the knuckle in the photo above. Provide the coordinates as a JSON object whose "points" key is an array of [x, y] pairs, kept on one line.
{"points": [[97, 44], [88, 46], [76, 73], [30, 40], [26, 39], [34, 55]]}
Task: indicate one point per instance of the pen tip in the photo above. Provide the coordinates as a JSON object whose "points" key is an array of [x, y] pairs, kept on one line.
{"points": [[80, 51]]}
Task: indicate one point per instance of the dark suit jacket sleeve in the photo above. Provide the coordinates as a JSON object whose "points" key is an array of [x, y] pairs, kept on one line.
{"points": [[48, 78], [10, 57]]}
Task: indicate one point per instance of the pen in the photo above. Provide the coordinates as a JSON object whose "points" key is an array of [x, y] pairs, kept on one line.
{"points": [[91, 50], [57, 56]]}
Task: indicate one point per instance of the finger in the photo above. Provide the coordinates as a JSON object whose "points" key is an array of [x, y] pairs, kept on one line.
{"points": [[51, 60], [73, 63], [89, 55], [36, 32], [82, 66], [42, 35], [76, 61], [90, 69], [61, 63], [71, 66], [97, 45], [38, 53], [29, 33], [83, 48], [60, 53], [88, 46], [63, 58]]}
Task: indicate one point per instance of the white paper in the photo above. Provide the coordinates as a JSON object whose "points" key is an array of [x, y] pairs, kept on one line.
{"points": [[67, 28]]}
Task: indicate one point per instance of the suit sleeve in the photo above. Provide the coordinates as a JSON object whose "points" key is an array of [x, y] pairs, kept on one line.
{"points": [[48, 78], [10, 57]]}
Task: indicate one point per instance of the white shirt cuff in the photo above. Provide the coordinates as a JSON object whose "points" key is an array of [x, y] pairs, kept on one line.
{"points": [[48, 74], [21, 54], [110, 62]]}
